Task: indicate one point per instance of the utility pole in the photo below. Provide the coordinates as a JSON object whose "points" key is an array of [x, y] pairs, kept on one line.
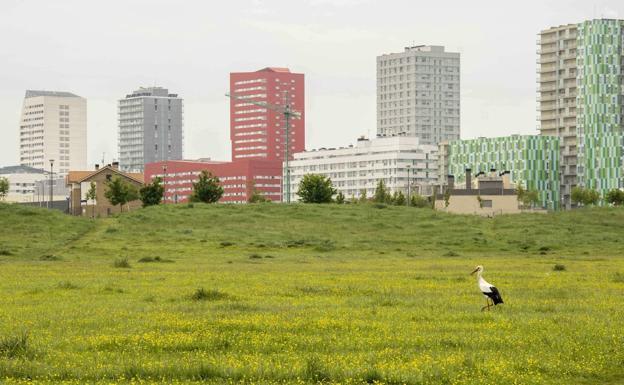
{"points": [[409, 186], [164, 167], [287, 144], [51, 183]]}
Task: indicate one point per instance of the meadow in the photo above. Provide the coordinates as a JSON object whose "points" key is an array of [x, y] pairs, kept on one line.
{"points": [[308, 294]]}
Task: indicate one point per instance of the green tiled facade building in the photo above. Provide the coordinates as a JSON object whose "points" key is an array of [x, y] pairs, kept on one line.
{"points": [[599, 104], [580, 101], [532, 160]]}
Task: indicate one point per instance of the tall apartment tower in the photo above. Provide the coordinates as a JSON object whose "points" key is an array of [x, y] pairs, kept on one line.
{"points": [[259, 133], [53, 127], [580, 100], [418, 94], [150, 128]]}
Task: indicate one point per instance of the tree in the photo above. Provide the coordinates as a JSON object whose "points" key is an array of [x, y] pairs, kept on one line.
{"points": [[152, 193], [399, 198], [447, 197], [381, 193], [119, 192], [527, 198], [585, 197], [615, 197], [207, 189], [592, 197], [578, 195], [4, 187], [340, 198], [363, 196], [255, 196], [315, 188], [92, 196]]}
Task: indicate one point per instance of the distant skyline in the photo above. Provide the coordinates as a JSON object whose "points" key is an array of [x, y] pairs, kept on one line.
{"points": [[103, 51]]}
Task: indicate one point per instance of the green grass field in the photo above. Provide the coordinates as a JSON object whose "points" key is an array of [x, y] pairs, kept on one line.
{"points": [[307, 294]]}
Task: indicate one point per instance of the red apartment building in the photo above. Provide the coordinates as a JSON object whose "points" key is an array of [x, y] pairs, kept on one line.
{"points": [[259, 133], [237, 178], [258, 139]]}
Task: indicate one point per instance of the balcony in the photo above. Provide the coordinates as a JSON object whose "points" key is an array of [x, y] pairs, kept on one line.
{"points": [[546, 98], [546, 50], [547, 39], [548, 88], [546, 59], [546, 78]]}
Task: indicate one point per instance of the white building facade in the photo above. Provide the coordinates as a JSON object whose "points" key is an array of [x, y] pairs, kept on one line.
{"points": [[53, 126], [418, 94], [27, 184], [398, 161]]}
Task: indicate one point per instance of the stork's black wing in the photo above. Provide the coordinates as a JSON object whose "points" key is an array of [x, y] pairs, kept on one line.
{"points": [[494, 295]]}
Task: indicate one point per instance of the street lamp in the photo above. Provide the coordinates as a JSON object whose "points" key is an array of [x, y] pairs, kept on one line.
{"points": [[409, 186], [164, 167], [51, 181]]}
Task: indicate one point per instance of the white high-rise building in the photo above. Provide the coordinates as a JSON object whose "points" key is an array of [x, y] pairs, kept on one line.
{"points": [[53, 127], [398, 161], [418, 94]]}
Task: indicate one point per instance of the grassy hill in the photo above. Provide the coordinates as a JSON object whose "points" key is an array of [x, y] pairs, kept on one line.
{"points": [[308, 294]]}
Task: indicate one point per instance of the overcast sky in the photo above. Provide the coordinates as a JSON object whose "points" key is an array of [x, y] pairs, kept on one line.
{"points": [[103, 50]]}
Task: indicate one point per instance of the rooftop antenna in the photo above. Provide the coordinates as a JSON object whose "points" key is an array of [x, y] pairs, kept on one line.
{"points": [[103, 153]]}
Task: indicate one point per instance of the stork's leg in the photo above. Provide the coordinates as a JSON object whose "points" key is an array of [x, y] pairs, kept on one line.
{"points": [[487, 306]]}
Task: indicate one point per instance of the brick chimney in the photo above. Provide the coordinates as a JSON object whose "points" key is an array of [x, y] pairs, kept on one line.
{"points": [[115, 165]]}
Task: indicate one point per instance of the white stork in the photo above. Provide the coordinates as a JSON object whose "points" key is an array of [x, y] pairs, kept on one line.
{"points": [[490, 292]]}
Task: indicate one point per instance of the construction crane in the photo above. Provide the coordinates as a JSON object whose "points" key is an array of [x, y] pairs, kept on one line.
{"points": [[288, 112]]}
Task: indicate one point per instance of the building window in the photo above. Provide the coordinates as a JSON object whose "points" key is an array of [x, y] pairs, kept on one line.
{"points": [[486, 203]]}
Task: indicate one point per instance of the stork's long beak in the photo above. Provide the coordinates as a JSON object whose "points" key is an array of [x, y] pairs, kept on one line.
{"points": [[474, 271]]}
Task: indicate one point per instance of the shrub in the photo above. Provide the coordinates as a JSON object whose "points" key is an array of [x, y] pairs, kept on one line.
{"points": [[559, 267], [14, 346], [202, 294], [154, 259], [340, 198], [255, 256], [122, 263], [66, 285], [419, 201], [226, 244], [325, 245], [586, 197], [615, 197], [315, 188], [6, 252], [49, 257]]}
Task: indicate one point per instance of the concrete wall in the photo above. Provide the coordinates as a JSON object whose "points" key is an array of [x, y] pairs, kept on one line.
{"points": [[469, 204]]}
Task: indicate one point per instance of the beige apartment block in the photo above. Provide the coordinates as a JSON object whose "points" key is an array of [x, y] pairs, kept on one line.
{"points": [[557, 92], [53, 126]]}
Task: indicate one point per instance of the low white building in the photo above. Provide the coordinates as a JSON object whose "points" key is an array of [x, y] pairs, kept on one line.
{"points": [[28, 184], [397, 161]]}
